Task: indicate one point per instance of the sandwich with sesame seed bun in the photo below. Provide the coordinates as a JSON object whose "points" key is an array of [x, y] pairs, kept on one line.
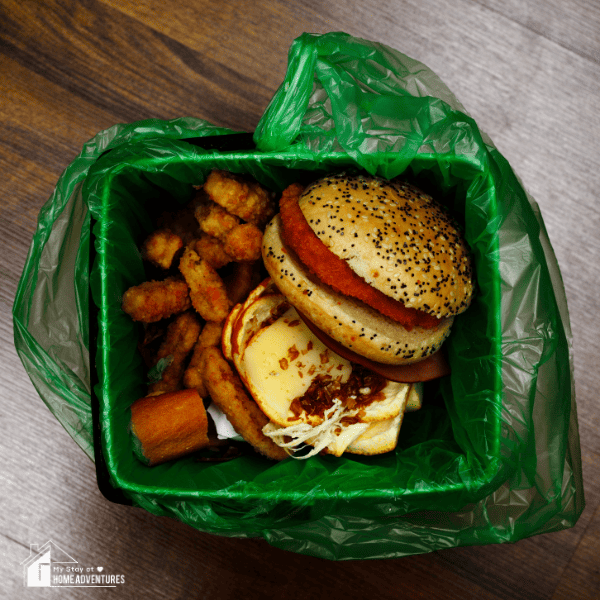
{"points": [[376, 268], [365, 278]]}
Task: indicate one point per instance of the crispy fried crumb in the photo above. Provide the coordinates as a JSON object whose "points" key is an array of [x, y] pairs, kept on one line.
{"points": [[240, 196], [207, 290], [244, 242], [160, 247], [152, 301]]}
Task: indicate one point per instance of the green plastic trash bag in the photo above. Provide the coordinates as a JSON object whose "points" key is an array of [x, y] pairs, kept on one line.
{"points": [[492, 456]]}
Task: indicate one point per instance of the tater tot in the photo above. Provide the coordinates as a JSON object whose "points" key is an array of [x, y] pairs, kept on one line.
{"points": [[152, 301], [207, 290]]}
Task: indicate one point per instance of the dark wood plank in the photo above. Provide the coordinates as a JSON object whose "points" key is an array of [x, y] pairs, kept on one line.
{"points": [[111, 68], [528, 72], [581, 577]]}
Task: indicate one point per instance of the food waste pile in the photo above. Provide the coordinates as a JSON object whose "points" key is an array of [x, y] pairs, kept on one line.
{"points": [[219, 337]]}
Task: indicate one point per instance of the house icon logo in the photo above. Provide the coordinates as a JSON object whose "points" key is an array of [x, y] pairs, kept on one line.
{"points": [[37, 567]]}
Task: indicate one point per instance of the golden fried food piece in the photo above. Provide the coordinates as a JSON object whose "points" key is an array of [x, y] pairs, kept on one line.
{"points": [[160, 247], [207, 290], [212, 250], [215, 220], [244, 242], [168, 426], [244, 277], [210, 336], [227, 392], [180, 338], [239, 196], [152, 301]]}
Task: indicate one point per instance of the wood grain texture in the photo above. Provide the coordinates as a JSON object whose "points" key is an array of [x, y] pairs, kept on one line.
{"points": [[528, 72]]}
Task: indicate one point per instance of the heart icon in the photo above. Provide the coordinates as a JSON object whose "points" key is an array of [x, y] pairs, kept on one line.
{"points": [[100, 569]]}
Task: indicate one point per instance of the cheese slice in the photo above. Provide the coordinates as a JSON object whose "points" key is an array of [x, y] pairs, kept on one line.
{"points": [[278, 358], [281, 361]]}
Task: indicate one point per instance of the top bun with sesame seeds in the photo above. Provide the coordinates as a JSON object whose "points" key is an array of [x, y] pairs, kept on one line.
{"points": [[377, 265]]}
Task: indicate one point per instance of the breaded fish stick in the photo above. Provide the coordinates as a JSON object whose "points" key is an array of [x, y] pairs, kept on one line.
{"points": [[152, 301], [227, 392]]}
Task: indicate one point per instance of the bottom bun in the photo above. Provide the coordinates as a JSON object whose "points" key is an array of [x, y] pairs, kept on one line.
{"points": [[351, 322]]}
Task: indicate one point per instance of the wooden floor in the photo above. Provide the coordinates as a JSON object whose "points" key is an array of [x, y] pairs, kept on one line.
{"points": [[528, 71]]}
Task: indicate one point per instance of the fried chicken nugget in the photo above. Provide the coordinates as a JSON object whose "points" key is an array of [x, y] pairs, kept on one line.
{"points": [[207, 290], [212, 250], [152, 301], [215, 220], [244, 242], [180, 338], [227, 392], [239, 196], [160, 247], [209, 336]]}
